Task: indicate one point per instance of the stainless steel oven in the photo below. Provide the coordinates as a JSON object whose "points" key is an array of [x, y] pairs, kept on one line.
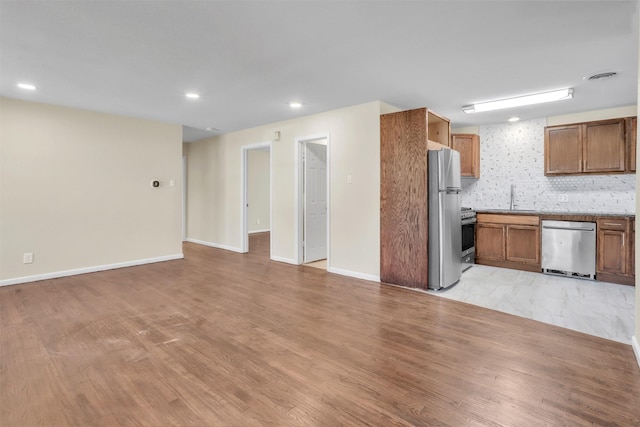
{"points": [[468, 255]]}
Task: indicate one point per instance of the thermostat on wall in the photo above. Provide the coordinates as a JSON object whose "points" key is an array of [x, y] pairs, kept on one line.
{"points": [[155, 183]]}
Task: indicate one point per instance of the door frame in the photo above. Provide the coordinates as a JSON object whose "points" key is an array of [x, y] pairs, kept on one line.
{"points": [[299, 194], [184, 198], [244, 170]]}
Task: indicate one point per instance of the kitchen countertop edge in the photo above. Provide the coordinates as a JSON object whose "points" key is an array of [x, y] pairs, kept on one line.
{"points": [[556, 214]]}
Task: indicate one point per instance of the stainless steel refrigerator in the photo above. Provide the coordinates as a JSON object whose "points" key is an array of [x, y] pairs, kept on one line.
{"points": [[445, 227]]}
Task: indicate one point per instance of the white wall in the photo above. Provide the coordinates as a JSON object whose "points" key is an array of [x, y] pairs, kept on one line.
{"points": [[214, 213], [75, 190], [588, 116], [258, 190], [513, 153]]}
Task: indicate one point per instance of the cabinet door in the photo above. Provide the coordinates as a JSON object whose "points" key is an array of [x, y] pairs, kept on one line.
{"points": [[563, 149], [490, 241], [469, 147], [632, 136], [523, 243], [611, 251], [632, 249], [604, 146]]}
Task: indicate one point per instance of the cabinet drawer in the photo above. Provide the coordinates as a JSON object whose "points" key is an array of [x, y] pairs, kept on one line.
{"points": [[508, 219], [619, 224]]}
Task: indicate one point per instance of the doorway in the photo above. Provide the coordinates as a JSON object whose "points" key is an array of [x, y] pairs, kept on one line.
{"points": [[256, 199], [313, 201]]}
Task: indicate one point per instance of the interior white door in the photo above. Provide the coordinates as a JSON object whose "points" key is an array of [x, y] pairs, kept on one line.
{"points": [[315, 202]]}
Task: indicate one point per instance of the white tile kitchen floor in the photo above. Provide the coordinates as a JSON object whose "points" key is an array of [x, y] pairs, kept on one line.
{"points": [[597, 308]]}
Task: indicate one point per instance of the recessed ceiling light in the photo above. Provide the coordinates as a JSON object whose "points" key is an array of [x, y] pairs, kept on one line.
{"points": [[514, 119], [518, 101], [295, 104], [26, 86], [192, 95]]}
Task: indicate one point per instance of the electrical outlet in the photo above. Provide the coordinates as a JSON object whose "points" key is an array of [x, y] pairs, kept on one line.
{"points": [[27, 258], [564, 198], [258, 221], [349, 180]]}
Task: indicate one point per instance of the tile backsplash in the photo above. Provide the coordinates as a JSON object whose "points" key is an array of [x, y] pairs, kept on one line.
{"points": [[514, 154]]}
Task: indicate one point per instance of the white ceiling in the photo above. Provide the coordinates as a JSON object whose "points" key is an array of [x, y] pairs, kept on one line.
{"points": [[247, 59]]}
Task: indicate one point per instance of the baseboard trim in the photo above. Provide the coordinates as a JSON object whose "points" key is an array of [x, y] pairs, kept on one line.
{"points": [[215, 245], [85, 270], [285, 260], [636, 348], [260, 231], [354, 274]]}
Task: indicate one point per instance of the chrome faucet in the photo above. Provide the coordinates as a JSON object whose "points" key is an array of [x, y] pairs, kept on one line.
{"points": [[512, 204]]}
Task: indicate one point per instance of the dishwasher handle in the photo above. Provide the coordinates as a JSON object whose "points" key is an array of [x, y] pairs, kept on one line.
{"points": [[553, 227]]}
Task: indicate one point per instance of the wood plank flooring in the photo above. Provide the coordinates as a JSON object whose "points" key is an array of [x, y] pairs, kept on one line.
{"points": [[226, 339]]}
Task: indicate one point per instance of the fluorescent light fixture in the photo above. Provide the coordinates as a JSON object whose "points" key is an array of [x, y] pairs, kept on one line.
{"points": [[192, 95], [518, 101], [26, 86], [294, 104], [514, 119]]}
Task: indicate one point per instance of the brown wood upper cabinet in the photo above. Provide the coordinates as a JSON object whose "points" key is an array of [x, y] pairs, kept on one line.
{"points": [[563, 149], [469, 147], [405, 138], [438, 130], [600, 147]]}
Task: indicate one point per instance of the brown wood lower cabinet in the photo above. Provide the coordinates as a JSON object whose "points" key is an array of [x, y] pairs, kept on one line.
{"points": [[611, 256], [632, 243], [511, 241], [523, 244], [490, 241], [615, 250]]}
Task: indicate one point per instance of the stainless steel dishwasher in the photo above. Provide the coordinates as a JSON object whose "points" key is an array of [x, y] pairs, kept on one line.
{"points": [[569, 248]]}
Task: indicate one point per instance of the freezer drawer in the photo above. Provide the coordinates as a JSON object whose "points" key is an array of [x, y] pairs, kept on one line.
{"points": [[569, 248]]}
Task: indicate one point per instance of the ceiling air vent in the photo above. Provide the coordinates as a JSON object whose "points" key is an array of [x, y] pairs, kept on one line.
{"points": [[602, 75]]}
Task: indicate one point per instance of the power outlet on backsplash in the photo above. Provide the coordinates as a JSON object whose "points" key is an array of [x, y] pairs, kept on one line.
{"points": [[564, 198]]}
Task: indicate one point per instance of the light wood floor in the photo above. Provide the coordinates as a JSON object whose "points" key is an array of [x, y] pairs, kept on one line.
{"points": [[225, 339]]}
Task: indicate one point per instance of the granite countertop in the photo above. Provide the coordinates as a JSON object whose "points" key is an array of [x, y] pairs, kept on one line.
{"points": [[551, 213]]}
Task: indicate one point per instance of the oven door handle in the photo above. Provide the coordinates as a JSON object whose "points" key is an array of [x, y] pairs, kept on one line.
{"points": [[469, 221]]}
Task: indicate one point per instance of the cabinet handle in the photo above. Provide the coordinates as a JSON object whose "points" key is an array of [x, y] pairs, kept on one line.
{"points": [[615, 224]]}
